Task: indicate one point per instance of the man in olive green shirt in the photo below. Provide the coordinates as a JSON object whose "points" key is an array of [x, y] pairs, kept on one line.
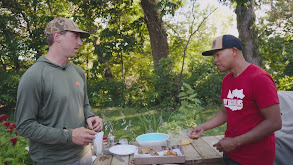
{"points": [[52, 108]]}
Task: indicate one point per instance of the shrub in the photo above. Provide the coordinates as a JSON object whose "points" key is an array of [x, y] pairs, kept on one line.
{"points": [[157, 88], [106, 93], [286, 83], [207, 81], [8, 87], [12, 146], [189, 111]]}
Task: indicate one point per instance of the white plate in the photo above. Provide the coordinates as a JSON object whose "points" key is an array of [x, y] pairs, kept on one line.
{"points": [[123, 149]]}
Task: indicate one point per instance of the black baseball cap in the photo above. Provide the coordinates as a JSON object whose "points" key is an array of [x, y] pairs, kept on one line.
{"points": [[224, 42]]}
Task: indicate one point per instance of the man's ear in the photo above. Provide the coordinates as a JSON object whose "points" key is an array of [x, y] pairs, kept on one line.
{"points": [[235, 51], [56, 36]]}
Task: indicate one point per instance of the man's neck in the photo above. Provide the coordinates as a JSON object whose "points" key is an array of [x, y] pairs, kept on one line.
{"points": [[56, 57], [239, 68]]}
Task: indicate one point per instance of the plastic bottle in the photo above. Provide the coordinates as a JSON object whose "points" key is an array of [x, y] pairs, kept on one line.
{"points": [[110, 140], [105, 143]]}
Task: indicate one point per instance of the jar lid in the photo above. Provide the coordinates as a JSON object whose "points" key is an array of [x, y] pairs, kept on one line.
{"points": [[105, 138]]}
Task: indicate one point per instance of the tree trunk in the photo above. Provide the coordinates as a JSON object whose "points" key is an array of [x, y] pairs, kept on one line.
{"points": [[157, 31], [248, 31], [16, 65], [108, 71], [3, 64], [122, 67]]}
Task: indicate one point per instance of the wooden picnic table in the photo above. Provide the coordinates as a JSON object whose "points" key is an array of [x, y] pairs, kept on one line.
{"points": [[200, 151]]}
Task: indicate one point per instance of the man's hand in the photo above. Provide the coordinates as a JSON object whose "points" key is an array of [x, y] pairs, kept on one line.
{"points": [[82, 136], [95, 123], [195, 133], [226, 144]]}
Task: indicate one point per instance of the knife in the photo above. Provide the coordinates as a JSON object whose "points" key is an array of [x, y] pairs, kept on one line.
{"points": [[107, 152]]}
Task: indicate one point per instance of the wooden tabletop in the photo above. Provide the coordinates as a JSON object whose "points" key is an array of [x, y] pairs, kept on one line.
{"points": [[200, 151]]}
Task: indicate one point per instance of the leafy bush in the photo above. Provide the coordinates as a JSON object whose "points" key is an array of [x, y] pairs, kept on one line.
{"points": [[286, 83], [163, 83], [149, 89], [207, 81], [12, 146], [157, 88], [188, 114], [8, 87], [277, 55], [106, 93]]}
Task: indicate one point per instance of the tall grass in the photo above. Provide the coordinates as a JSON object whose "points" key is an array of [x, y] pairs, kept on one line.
{"points": [[132, 122]]}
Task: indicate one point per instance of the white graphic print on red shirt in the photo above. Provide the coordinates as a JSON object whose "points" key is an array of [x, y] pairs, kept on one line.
{"points": [[234, 100]]}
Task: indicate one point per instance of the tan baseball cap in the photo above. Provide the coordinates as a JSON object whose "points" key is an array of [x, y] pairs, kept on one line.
{"points": [[60, 24], [224, 42]]}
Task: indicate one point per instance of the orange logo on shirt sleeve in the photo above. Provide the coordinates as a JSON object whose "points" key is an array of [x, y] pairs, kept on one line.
{"points": [[77, 83]]}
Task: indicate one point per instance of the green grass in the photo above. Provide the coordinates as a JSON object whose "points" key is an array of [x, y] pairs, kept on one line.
{"points": [[126, 122], [118, 119], [208, 114]]}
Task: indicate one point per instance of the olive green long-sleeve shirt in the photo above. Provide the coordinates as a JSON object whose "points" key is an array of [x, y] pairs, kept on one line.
{"points": [[50, 98]]}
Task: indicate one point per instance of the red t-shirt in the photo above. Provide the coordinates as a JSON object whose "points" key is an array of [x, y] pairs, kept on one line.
{"points": [[243, 97]]}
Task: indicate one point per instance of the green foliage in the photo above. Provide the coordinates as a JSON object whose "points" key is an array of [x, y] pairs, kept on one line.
{"points": [[152, 89], [106, 93], [149, 89], [277, 54], [168, 7], [279, 19], [151, 123], [132, 122], [189, 111], [164, 84], [207, 81], [117, 56], [12, 146], [8, 87], [286, 83], [276, 42]]}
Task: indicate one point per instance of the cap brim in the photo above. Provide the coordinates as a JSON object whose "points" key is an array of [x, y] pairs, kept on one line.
{"points": [[83, 34], [210, 52]]}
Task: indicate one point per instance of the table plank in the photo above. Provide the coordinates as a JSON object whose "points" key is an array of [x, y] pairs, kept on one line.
{"points": [[103, 160], [115, 161], [208, 154], [131, 160], [211, 140], [219, 137], [191, 155]]}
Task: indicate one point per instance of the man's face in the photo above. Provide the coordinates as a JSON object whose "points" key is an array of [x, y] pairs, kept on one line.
{"points": [[224, 59], [70, 42]]}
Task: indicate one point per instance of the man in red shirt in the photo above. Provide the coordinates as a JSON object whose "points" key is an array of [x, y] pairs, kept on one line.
{"points": [[250, 107]]}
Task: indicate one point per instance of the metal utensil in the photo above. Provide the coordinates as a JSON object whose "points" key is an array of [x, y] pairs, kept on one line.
{"points": [[107, 152]]}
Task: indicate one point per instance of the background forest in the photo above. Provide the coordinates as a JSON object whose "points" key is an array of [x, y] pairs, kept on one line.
{"points": [[144, 56], [141, 51]]}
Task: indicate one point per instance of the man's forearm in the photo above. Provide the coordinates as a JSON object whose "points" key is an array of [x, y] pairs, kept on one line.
{"points": [[219, 119], [48, 135]]}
